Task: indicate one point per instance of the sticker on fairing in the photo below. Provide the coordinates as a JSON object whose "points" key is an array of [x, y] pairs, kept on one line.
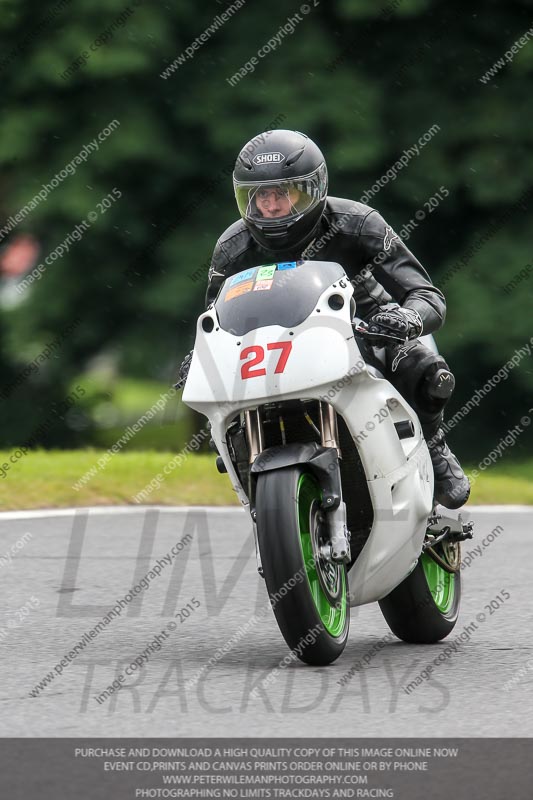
{"points": [[265, 273], [247, 275], [287, 265], [241, 288], [263, 286]]}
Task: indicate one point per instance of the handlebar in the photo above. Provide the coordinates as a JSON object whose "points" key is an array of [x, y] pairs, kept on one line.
{"points": [[361, 329]]}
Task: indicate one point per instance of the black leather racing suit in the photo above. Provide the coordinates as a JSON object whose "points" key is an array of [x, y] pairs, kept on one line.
{"points": [[382, 270], [351, 234]]}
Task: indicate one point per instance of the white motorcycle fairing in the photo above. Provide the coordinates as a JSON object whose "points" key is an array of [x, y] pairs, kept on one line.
{"points": [[232, 373]]}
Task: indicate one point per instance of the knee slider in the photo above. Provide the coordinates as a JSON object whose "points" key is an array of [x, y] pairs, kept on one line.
{"points": [[423, 377], [438, 383], [441, 385]]}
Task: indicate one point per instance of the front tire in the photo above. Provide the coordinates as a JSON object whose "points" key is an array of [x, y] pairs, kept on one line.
{"points": [[424, 608], [308, 594]]}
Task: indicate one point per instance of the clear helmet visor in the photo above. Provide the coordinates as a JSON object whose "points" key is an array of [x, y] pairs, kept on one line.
{"points": [[277, 202]]}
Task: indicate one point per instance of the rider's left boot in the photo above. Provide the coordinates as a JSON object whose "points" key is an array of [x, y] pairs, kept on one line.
{"points": [[452, 487]]}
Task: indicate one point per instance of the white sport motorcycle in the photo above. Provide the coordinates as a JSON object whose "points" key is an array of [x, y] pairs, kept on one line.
{"points": [[327, 457]]}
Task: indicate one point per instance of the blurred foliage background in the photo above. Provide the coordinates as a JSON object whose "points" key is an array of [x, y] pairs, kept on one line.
{"points": [[365, 79]]}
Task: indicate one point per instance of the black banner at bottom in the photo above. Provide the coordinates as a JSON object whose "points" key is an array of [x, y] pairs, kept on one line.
{"points": [[126, 769]]}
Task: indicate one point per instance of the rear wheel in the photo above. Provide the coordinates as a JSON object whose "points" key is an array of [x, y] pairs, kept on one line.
{"points": [[424, 608], [308, 592]]}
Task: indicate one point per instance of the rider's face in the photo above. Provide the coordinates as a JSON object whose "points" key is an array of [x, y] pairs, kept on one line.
{"points": [[272, 201]]}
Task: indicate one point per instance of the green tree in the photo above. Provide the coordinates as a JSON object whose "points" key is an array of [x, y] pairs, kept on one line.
{"points": [[364, 79]]}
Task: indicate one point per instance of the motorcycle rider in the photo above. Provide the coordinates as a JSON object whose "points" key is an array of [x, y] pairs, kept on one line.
{"points": [[281, 182]]}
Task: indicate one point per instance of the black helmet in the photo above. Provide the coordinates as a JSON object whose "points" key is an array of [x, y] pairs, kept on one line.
{"points": [[281, 185]]}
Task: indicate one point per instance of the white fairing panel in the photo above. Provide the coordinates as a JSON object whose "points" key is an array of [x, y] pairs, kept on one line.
{"points": [[319, 359]]}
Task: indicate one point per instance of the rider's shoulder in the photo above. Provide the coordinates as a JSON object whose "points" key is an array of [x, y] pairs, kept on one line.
{"points": [[235, 239], [347, 214]]}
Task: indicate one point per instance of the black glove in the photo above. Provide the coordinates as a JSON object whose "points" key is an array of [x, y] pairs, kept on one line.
{"points": [[184, 371], [397, 323]]}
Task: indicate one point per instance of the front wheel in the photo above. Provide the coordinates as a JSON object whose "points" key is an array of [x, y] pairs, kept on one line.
{"points": [[307, 591], [424, 608]]}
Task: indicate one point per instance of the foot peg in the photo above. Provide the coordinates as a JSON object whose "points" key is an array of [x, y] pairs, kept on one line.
{"points": [[467, 532], [454, 530]]}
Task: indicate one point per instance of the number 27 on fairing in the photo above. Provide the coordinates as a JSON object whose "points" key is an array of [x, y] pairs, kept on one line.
{"points": [[258, 353]]}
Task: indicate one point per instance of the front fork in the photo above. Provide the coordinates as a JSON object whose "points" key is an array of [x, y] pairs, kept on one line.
{"points": [[338, 549], [255, 439]]}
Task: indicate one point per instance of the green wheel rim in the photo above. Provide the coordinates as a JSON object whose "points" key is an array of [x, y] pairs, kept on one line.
{"points": [[332, 616], [441, 583]]}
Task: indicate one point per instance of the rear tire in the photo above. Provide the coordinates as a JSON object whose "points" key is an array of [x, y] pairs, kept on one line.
{"points": [[424, 608], [309, 595]]}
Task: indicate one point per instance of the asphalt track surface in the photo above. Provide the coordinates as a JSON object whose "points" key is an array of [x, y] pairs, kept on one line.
{"points": [[60, 582]]}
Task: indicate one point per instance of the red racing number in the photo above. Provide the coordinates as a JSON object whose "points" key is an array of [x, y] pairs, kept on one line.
{"points": [[246, 369], [259, 356]]}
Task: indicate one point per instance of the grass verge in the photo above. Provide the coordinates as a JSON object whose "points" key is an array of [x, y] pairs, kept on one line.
{"points": [[46, 479]]}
